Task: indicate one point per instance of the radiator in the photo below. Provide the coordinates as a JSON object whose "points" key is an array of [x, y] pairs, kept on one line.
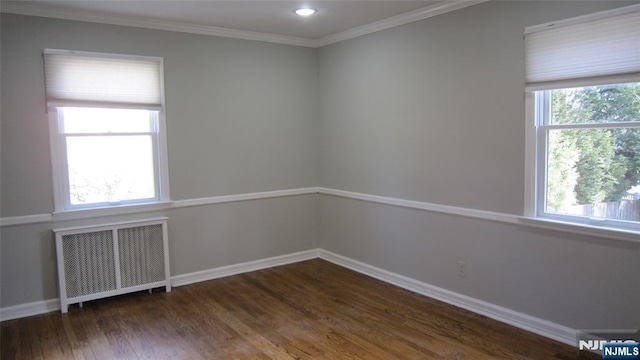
{"points": [[100, 261]]}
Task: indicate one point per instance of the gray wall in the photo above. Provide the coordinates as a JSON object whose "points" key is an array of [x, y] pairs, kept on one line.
{"points": [[434, 111], [241, 118], [240, 114], [430, 111], [200, 238], [572, 280]]}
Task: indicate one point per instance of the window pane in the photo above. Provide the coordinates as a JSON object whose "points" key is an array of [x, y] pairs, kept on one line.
{"points": [[97, 120], [110, 168], [594, 172], [596, 104]]}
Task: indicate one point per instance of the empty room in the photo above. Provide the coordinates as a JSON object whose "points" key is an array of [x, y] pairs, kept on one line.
{"points": [[320, 179]]}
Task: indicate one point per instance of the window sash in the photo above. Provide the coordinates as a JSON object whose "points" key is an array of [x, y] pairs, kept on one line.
{"points": [[542, 109], [60, 155], [64, 166]]}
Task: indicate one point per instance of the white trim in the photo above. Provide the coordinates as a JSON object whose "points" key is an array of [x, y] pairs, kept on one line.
{"points": [[581, 229], [29, 309], [526, 322], [111, 226], [144, 208], [25, 219], [109, 211], [243, 197], [537, 106], [530, 156], [235, 269], [419, 205], [520, 220], [57, 160], [594, 125], [46, 306], [148, 23], [162, 155], [594, 231], [582, 19], [419, 14], [523, 321], [22, 8]]}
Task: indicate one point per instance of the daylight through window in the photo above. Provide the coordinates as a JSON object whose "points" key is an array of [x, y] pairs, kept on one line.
{"points": [[583, 80], [590, 139], [107, 142]]}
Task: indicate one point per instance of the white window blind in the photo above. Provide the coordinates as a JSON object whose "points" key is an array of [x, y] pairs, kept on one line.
{"points": [[598, 48], [93, 79]]}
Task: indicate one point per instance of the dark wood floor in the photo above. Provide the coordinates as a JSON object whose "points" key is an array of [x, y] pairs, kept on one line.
{"points": [[308, 310]]}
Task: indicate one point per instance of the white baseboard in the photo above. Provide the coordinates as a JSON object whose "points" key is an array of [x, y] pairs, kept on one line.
{"points": [[45, 306], [236, 269], [29, 309], [526, 322]]}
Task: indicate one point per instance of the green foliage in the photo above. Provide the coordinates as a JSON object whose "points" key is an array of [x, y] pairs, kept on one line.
{"points": [[589, 166], [594, 165], [561, 170]]}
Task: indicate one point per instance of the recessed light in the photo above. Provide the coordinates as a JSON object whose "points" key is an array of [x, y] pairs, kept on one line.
{"points": [[305, 11]]}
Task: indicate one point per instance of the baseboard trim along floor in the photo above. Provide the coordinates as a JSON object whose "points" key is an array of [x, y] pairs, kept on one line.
{"points": [[526, 322]]}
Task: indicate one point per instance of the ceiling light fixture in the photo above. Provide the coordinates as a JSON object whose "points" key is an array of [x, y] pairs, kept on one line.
{"points": [[305, 11]]}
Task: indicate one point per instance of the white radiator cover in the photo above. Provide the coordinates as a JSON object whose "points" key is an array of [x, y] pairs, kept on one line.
{"points": [[111, 259]]}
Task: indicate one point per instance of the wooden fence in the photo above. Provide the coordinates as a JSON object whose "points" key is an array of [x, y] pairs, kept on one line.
{"points": [[620, 210]]}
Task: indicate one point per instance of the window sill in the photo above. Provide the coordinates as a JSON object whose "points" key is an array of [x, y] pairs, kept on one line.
{"points": [[109, 211], [582, 229]]}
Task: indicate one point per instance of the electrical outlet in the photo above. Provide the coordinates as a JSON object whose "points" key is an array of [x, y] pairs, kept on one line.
{"points": [[462, 269]]}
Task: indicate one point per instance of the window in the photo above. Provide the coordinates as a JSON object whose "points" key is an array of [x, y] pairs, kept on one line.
{"points": [[107, 138], [583, 86]]}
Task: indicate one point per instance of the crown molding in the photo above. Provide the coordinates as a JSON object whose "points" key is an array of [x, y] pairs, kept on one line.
{"points": [[419, 14], [22, 8]]}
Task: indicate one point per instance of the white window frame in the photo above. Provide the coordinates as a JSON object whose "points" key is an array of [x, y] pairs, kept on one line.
{"points": [[60, 176], [538, 113], [536, 149]]}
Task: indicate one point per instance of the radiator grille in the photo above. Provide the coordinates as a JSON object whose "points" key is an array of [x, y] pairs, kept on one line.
{"points": [[89, 263], [141, 255], [111, 259]]}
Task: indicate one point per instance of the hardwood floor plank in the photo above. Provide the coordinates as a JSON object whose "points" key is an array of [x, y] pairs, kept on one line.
{"points": [[29, 334], [353, 309], [96, 340], [307, 310]]}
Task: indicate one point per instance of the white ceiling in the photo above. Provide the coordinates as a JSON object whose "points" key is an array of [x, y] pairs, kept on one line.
{"points": [[275, 18]]}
